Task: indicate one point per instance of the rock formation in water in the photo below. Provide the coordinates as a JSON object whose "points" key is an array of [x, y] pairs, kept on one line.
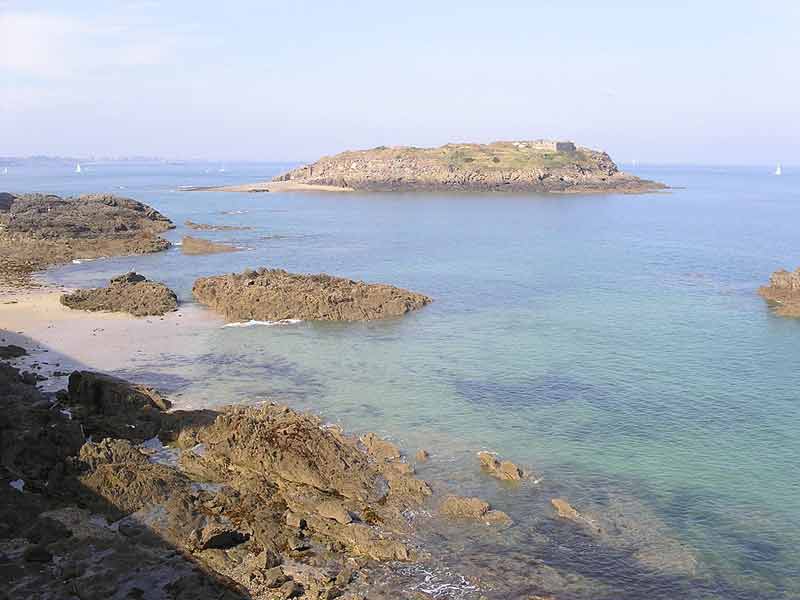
{"points": [[458, 507], [274, 294], [131, 293], [523, 166], [198, 246], [783, 292], [39, 230], [505, 470]]}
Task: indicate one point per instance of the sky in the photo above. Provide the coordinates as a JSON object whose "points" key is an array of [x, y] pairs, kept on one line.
{"points": [[706, 81]]}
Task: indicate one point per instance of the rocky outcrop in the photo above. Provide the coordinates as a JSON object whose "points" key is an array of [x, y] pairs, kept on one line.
{"points": [[783, 292], [12, 351], [38, 231], [523, 166], [197, 246], [274, 294], [110, 407], [505, 470], [130, 293]]}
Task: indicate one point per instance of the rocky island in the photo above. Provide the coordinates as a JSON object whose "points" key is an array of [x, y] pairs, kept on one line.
{"points": [[275, 295], [783, 292], [41, 230], [513, 166]]}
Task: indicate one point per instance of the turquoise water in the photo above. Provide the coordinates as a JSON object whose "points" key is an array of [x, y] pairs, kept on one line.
{"points": [[613, 343]]}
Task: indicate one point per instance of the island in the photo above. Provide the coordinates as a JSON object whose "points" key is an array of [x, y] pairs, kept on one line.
{"points": [[510, 166]]}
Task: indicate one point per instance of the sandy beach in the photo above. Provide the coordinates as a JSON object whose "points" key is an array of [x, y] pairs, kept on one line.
{"points": [[270, 186], [60, 339]]}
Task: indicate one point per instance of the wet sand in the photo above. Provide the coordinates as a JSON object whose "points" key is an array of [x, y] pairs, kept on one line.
{"points": [[103, 341]]}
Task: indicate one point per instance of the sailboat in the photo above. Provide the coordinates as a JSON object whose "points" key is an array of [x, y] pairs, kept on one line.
{"points": [[5, 170], [78, 168], [778, 170]]}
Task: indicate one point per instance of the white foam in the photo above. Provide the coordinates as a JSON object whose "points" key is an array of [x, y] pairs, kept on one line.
{"points": [[80, 261], [17, 484], [253, 323]]}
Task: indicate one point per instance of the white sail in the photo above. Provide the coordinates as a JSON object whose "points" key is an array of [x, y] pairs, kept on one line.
{"points": [[78, 168], [5, 170], [778, 170]]}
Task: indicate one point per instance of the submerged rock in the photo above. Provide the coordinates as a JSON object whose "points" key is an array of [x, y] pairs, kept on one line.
{"points": [[196, 246], [472, 508], [131, 293], [274, 295], [783, 292], [207, 227]]}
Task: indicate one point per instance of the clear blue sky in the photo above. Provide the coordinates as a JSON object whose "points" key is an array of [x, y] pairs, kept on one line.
{"points": [[705, 81]]}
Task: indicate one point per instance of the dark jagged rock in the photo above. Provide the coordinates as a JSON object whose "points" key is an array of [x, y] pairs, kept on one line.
{"points": [[114, 408], [783, 292], [12, 351], [131, 293], [274, 294]]}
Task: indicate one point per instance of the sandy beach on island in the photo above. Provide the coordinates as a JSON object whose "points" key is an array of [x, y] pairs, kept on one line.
{"points": [[270, 186]]}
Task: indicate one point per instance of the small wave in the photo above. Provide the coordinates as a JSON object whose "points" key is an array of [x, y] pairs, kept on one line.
{"points": [[80, 261], [253, 323]]}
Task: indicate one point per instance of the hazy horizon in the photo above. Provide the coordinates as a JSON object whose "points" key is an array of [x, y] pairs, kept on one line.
{"points": [[674, 84]]}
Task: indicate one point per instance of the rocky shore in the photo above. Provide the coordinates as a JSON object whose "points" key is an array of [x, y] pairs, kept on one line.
{"points": [[274, 295], [783, 292], [38, 231], [130, 293], [521, 166]]}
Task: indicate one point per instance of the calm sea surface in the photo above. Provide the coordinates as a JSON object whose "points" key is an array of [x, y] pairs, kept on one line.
{"points": [[615, 344]]}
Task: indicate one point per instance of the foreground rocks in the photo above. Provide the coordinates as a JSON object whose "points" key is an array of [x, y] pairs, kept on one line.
{"points": [[537, 165], [261, 503], [197, 246], [38, 231], [275, 294], [131, 293], [783, 292]]}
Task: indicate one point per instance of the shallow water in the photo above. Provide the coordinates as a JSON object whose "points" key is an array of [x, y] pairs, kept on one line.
{"points": [[613, 343]]}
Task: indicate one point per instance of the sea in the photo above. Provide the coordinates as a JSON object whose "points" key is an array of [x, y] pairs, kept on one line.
{"points": [[613, 345]]}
